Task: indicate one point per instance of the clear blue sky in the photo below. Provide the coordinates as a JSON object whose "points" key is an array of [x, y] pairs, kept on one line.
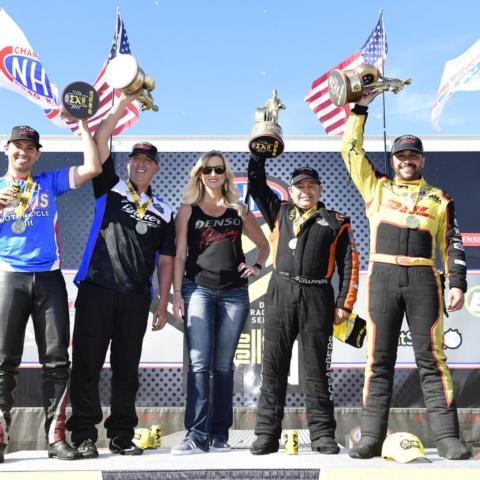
{"points": [[215, 61]]}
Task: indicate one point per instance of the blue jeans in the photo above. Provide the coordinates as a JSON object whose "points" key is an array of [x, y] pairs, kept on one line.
{"points": [[214, 320]]}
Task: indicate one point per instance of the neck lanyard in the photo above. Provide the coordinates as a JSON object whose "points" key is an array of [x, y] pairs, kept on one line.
{"points": [[141, 207]]}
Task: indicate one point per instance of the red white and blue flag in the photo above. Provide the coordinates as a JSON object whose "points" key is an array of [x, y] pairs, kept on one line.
{"points": [[333, 118], [107, 94], [20, 68]]}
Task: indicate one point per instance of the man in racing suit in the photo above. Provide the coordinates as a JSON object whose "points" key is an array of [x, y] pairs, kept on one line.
{"points": [[409, 219], [307, 240]]}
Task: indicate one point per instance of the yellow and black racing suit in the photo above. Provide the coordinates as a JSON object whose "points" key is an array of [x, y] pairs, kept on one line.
{"points": [[300, 301], [403, 279]]}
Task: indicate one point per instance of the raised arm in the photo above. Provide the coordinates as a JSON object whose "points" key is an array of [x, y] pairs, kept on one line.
{"points": [[108, 124], [266, 200], [91, 162]]}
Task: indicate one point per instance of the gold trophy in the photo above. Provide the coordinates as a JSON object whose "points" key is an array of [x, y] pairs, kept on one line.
{"points": [[123, 72], [266, 140], [348, 86]]}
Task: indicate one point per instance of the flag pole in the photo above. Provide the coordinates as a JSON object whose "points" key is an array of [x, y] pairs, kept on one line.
{"points": [[117, 49], [385, 155]]}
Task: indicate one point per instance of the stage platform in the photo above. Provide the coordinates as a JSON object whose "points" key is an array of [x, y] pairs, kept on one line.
{"points": [[159, 464]]}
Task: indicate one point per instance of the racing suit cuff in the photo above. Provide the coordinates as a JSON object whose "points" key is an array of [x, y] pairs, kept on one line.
{"points": [[360, 109]]}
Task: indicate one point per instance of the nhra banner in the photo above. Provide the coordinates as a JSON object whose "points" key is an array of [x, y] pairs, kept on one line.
{"points": [[20, 67]]}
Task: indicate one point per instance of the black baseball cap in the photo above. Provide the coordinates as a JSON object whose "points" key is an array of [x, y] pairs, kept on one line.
{"points": [[304, 172], [407, 142], [147, 149], [24, 132]]}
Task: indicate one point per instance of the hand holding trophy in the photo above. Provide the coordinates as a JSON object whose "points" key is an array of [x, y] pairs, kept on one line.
{"points": [[79, 101], [123, 72], [266, 140], [348, 86]]}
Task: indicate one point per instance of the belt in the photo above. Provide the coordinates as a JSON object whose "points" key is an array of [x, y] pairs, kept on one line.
{"points": [[401, 260], [304, 280]]}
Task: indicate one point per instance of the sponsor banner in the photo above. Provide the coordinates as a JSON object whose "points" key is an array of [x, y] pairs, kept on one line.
{"points": [[471, 239], [164, 348]]}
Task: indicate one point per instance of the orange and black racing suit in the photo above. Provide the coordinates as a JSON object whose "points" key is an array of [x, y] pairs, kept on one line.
{"points": [[300, 300], [403, 279]]}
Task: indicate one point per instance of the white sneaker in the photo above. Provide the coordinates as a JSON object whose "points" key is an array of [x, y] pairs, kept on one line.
{"points": [[186, 447]]}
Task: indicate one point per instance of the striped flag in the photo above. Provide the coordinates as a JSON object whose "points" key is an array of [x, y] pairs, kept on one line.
{"points": [[107, 94], [462, 74], [333, 118]]}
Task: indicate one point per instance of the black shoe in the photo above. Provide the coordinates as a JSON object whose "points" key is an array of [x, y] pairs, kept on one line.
{"points": [[263, 445], [2, 450], [87, 448], [326, 445], [453, 449], [124, 446], [63, 451], [367, 447]]}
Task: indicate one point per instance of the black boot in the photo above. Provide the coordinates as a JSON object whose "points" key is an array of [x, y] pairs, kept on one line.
{"points": [[263, 445], [326, 445], [87, 448], [63, 451], [124, 446], [367, 447], [453, 449], [2, 450]]}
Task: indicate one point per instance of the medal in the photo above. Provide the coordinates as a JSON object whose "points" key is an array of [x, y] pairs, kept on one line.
{"points": [[412, 222], [141, 228], [292, 244], [18, 227]]}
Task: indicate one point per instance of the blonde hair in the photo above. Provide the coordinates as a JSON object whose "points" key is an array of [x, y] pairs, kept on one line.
{"points": [[194, 192]]}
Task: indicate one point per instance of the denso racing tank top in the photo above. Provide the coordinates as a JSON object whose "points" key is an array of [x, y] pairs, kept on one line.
{"points": [[214, 249]]}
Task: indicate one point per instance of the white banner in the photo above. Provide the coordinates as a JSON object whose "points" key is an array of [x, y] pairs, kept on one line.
{"points": [[20, 67], [460, 74]]}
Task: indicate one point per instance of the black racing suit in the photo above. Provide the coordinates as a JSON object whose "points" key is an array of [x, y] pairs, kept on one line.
{"points": [[403, 280], [300, 299]]}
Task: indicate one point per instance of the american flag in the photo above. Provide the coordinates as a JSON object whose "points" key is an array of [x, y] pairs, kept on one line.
{"points": [[106, 93], [333, 118]]}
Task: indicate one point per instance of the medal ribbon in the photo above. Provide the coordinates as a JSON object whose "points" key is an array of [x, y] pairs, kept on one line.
{"points": [[141, 207], [411, 200], [25, 196], [299, 219]]}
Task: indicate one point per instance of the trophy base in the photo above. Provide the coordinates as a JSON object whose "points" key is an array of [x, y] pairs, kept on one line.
{"points": [[266, 141], [79, 100]]}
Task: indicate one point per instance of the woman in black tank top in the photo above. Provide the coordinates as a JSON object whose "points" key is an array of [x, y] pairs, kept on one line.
{"points": [[211, 296]]}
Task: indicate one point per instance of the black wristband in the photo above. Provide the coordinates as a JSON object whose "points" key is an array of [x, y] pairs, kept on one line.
{"points": [[257, 266]]}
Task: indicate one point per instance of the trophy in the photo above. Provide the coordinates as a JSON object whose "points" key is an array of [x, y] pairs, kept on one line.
{"points": [[79, 101], [123, 72], [348, 86], [266, 140]]}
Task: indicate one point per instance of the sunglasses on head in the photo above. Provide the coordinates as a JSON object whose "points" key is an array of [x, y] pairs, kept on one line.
{"points": [[220, 170]]}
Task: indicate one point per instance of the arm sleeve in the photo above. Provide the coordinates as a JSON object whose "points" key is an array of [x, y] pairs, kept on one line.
{"points": [[61, 180], [106, 180], [450, 246], [266, 200], [361, 170], [346, 258]]}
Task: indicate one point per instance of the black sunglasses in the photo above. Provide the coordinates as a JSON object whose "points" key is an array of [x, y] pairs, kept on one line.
{"points": [[220, 170]]}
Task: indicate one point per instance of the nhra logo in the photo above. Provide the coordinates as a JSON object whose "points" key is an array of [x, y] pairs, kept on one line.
{"points": [[280, 189], [21, 67]]}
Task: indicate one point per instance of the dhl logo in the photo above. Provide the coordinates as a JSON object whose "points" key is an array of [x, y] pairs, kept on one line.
{"points": [[419, 210]]}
